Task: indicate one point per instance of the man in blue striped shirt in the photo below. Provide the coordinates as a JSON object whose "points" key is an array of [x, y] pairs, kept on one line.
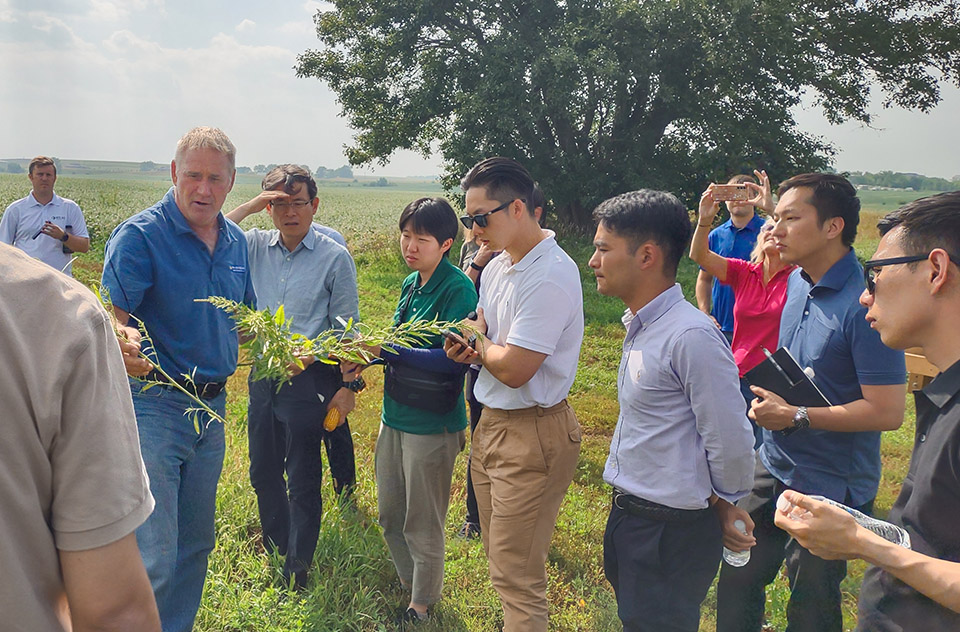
{"points": [[682, 443]]}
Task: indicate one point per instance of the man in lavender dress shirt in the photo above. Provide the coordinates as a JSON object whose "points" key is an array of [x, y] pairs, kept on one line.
{"points": [[682, 443]]}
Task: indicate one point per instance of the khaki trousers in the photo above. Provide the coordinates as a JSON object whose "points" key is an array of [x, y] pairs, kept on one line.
{"points": [[522, 464], [413, 491]]}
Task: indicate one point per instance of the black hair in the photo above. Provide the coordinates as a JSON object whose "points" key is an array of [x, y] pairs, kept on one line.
{"points": [[647, 215], [504, 179], [287, 176], [928, 223], [832, 196], [433, 216]]}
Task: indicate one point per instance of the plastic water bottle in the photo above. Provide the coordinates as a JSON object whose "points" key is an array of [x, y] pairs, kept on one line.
{"points": [[737, 558], [886, 530]]}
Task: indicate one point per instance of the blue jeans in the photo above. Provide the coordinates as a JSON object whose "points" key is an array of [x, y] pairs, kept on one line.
{"points": [[184, 470]]}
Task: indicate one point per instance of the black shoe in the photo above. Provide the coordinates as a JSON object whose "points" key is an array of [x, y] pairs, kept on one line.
{"points": [[295, 581], [469, 531], [411, 617]]}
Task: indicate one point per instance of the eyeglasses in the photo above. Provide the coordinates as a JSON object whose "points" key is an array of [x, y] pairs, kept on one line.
{"points": [[296, 204], [480, 219], [871, 268]]}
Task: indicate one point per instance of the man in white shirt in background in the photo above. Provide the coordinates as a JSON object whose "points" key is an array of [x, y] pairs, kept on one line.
{"points": [[43, 224]]}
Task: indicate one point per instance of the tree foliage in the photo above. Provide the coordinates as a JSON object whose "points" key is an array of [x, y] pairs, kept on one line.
{"points": [[598, 97]]}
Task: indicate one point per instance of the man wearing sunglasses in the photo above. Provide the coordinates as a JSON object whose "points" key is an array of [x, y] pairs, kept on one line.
{"points": [[314, 278], [912, 299], [833, 450], [525, 449]]}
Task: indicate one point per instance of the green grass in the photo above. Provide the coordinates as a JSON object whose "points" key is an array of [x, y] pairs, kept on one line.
{"points": [[354, 586]]}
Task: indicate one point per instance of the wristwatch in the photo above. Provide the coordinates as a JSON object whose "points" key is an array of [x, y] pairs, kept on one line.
{"points": [[356, 385], [65, 237], [801, 419]]}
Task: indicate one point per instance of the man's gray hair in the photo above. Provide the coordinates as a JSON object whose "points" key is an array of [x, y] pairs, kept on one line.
{"points": [[207, 138]]}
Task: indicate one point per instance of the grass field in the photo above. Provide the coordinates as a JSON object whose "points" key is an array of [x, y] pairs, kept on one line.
{"points": [[354, 585]]}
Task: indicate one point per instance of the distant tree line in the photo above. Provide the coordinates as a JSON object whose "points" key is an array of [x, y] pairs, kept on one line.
{"points": [[896, 180], [322, 172]]}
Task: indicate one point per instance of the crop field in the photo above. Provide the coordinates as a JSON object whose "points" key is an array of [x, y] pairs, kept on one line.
{"points": [[353, 584]]}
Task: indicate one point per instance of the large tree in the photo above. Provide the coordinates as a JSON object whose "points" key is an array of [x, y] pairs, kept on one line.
{"points": [[598, 97]]}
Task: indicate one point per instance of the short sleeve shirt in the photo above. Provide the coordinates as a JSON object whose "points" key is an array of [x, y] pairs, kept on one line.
{"points": [[929, 509], [756, 322], [823, 326], [156, 267], [449, 295], [731, 242], [23, 220], [71, 476], [535, 303]]}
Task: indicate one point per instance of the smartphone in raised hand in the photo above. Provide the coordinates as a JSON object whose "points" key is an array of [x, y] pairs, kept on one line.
{"points": [[730, 192]]}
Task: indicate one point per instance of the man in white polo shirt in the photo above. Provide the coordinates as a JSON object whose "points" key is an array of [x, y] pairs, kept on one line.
{"points": [[43, 224], [525, 449]]}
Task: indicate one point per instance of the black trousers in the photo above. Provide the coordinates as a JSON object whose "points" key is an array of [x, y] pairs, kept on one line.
{"points": [[473, 514], [660, 571], [814, 582], [285, 431]]}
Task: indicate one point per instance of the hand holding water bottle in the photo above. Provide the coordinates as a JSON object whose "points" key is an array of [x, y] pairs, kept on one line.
{"points": [[830, 530]]}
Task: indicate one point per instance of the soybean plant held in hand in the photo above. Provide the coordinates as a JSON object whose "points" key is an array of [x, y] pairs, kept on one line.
{"points": [[272, 349]]}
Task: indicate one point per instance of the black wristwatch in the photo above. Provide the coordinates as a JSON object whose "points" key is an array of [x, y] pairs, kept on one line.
{"points": [[356, 386], [65, 237], [473, 264]]}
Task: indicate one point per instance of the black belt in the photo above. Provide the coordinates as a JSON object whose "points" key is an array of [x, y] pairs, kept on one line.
{"points": [[203, 390], [655, 511]]}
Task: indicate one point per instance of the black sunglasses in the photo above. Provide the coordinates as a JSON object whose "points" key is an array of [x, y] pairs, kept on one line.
{"points": [[480, 219], [870, 268]]}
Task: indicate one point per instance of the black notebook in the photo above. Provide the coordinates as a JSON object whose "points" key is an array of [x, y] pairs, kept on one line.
{"points": [[781, 374]]}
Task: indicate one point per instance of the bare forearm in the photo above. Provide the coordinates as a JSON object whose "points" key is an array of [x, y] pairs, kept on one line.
{"points": [[703, 291], [937, 579], [243, 211], [108, 589], [511, 365], [77, 244], [857, 416]]}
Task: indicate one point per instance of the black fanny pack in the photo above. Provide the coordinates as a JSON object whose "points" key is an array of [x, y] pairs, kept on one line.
{"points": [[426, 390]]}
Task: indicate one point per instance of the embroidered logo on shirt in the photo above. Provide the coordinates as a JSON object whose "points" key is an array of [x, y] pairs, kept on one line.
{"points": [[238, 269]]}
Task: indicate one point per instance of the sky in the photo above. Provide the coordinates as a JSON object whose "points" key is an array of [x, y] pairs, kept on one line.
{"points": [[124, 79]]}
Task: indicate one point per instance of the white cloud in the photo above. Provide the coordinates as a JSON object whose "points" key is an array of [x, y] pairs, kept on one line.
{"points": [[297, 27], [111, 11], [312, 6], [245, 25]]}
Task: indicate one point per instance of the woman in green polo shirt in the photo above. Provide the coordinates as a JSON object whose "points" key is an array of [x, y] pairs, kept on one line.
{"points": [[424, 414]]}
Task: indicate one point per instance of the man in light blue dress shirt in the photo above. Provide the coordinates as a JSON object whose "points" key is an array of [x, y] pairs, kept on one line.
{"points": [[682, 444], [314, 278]]}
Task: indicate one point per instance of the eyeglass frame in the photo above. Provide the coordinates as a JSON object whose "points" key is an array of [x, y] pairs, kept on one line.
{"points": [[297, 205], [480, 219], [874, 264]]}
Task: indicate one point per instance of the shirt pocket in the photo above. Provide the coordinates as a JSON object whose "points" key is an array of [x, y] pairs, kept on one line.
{"points": [[818, 335]]}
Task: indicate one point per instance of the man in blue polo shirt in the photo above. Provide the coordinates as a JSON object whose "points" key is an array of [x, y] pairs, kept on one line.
{"points": [[833, 451], [734, 238], [314, 278], [156, 264]]}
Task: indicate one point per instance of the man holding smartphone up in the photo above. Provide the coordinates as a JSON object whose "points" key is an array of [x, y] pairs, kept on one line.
{"points": [[525, 449]]}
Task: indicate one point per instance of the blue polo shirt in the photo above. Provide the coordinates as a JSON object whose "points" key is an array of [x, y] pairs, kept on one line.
{"points": [[155, 266], [729, 241], [824, 328]]}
